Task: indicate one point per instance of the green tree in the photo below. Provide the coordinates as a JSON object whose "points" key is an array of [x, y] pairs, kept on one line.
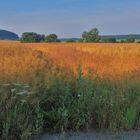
{"points": [[51, 38], [32, 37], [91, 36], [130, 39]]}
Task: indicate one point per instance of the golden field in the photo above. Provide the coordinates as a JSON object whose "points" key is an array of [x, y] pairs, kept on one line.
{"points": [[104, 59], [43, 89]]}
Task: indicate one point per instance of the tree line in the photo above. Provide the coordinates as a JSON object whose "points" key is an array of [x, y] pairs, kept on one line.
{"points": [[89, 36], [34, 37]]}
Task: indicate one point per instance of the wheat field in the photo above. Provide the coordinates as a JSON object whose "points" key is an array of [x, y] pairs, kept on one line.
{"points": [[102, 58], [43, 89]]}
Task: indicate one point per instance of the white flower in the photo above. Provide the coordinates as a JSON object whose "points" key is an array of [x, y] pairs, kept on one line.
{"points": [[13, 90], [79, 95]]}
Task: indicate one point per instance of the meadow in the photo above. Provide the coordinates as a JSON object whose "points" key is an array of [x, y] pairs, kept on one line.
{"points": [[57, 87], [102, 58]]}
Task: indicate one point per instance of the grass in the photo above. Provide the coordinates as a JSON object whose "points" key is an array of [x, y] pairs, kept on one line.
{"points": [[38, 95], [103, 58]]}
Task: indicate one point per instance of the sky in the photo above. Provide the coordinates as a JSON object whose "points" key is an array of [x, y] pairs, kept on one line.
{"points": [[69, 18]]}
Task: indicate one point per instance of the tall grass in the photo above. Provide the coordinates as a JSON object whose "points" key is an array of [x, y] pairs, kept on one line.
{"points": [[103, 58], [43, 97], [67, 102]]}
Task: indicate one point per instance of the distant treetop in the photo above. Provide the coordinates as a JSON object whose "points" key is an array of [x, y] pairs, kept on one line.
{"points": [[32, 37], [91, 36], [52, 38]]}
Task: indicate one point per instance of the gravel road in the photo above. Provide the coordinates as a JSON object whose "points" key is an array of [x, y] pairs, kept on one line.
{"points": [[131, 135]]}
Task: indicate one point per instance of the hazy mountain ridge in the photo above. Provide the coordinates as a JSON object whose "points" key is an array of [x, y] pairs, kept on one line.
{"points": [[118, 37], [136, 36], [8, 35]]}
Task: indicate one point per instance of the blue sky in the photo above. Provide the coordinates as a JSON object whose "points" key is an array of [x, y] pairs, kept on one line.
{"points": [[69, 18]]}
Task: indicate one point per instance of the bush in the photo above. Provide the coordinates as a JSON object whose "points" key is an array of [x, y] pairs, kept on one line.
{"points": [[122, 41], [130, 39], [109, 40]]}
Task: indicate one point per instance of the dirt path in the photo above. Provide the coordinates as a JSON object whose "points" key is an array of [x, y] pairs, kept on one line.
{"points": [[132, 135]]}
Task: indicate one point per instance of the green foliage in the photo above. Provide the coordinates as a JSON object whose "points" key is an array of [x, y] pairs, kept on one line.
{"points": [[130, 39], [32, 37], [17, 119], [91, 36], [122, 41], [130, 115], [39, 119], [58, 100], [51, 38], [70, 40], [109, 40]]}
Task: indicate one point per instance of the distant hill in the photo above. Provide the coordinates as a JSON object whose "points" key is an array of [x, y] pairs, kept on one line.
{"points": [[7, 35], [66, 39], [118, 37]]}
